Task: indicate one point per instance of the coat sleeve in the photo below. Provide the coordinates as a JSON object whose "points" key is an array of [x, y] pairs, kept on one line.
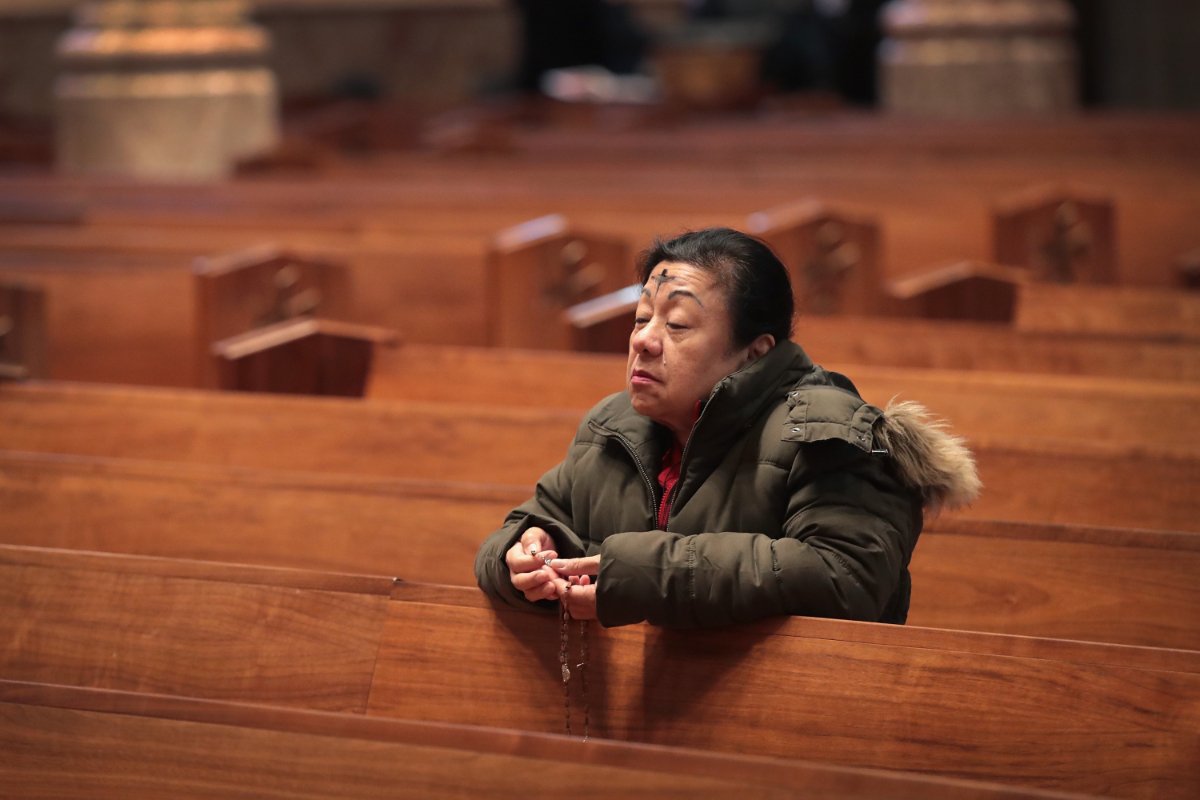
{"points": [[849, 532], [549, 508]]}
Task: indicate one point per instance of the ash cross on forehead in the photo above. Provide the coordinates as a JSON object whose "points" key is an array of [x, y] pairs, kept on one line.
{"points": [[661, 278], [666, 277]]}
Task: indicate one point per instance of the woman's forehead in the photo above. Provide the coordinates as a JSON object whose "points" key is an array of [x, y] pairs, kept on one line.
{"points": [[672, 275]]}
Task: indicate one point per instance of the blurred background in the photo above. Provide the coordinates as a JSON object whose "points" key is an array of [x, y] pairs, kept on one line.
{"points": [[912, 158]]}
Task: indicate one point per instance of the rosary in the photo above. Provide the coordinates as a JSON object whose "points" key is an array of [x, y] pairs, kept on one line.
{"points": [[563, 661]]}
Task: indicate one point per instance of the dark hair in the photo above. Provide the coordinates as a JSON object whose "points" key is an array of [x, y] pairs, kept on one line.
{"points": [[752, 276]]}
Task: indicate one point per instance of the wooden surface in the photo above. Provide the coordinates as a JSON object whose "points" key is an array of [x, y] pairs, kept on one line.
{"points": [[1100, 584], [1033, 579], [933, 185], [300, 356], [966, 346], [538, 269], [1060, 234], [1020, 711], [121, 314], [74, 618], [73, 742], [1091, 483], [1023, 711], [834, 257], [1168, 314], [964, 290], [131, 320], [236, 293], [1128, 411], [417, 529], [414, 230]]}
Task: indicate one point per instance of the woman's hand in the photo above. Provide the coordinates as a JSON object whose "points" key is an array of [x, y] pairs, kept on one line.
{"points": [[529, 569], [579, 593]]}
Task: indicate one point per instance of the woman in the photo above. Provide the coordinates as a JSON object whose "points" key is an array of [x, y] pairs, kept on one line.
{"points": [[733, 479]]}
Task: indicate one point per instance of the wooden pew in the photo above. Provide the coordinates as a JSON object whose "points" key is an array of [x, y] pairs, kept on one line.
{"points": [[935, 184], [1018, 578], [1060, 234], [833, 257], [1026, 479], [1017, 710], [127, 312], [301, 356], [998, 404], [84, 743], [541, 267], [423, 530], [183, 627], [424, 251], [963, 345], [236, 293], [995, 293], [1125, 311]]}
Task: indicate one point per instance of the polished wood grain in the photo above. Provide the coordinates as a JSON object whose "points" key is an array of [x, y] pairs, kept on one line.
{"points": [[1018, 710], [932, 184], [130, 624], [1101, 584], [1124, 586], [128, 314], [421, 530], [975, 402], [70, 742], [1093, 483], [414, 231], [1128, 311], [1045, 713]]}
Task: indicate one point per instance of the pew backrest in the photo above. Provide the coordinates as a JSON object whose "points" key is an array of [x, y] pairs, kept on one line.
{"points": [[1031, 579], [127, 744], [1094, 483]]}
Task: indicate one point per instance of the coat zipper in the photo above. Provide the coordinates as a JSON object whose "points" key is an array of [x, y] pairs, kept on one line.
{"points": [[629, 448], [683, 457]]}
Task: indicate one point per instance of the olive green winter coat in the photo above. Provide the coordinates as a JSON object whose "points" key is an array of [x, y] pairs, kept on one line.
{"points": [[788, 502]]}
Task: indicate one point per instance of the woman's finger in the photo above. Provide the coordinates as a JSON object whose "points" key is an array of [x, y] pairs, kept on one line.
{"points": [[577, 566], [525, 581]]}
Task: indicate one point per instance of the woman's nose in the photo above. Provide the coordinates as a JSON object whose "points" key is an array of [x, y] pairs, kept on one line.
{"points": [[646, 340]]}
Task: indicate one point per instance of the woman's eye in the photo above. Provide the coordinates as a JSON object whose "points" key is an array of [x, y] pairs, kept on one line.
{"points": [[638, 321], [676, 326]]}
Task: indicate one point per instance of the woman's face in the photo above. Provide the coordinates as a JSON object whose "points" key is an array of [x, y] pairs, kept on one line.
{"points": [[681, 345]]}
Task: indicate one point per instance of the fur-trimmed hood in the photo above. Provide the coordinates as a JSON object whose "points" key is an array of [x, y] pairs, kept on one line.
{"points": [[929, 457]]}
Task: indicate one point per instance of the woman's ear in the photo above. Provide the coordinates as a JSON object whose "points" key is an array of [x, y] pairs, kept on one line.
{"points": [[760, 347]]}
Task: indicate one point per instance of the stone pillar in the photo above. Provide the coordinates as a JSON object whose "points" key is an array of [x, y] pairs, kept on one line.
{"points": [[163, 90], [979, 58]]}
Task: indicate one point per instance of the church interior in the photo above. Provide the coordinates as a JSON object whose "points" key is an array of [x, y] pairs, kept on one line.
{"points": [[299, 298]]}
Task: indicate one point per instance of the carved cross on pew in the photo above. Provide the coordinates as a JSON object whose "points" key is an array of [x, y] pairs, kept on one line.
{"points": [[1070, 243], [579, 276], [833, 257], [240, 292], [1059, 235], [289, 300], [538, 270]]}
